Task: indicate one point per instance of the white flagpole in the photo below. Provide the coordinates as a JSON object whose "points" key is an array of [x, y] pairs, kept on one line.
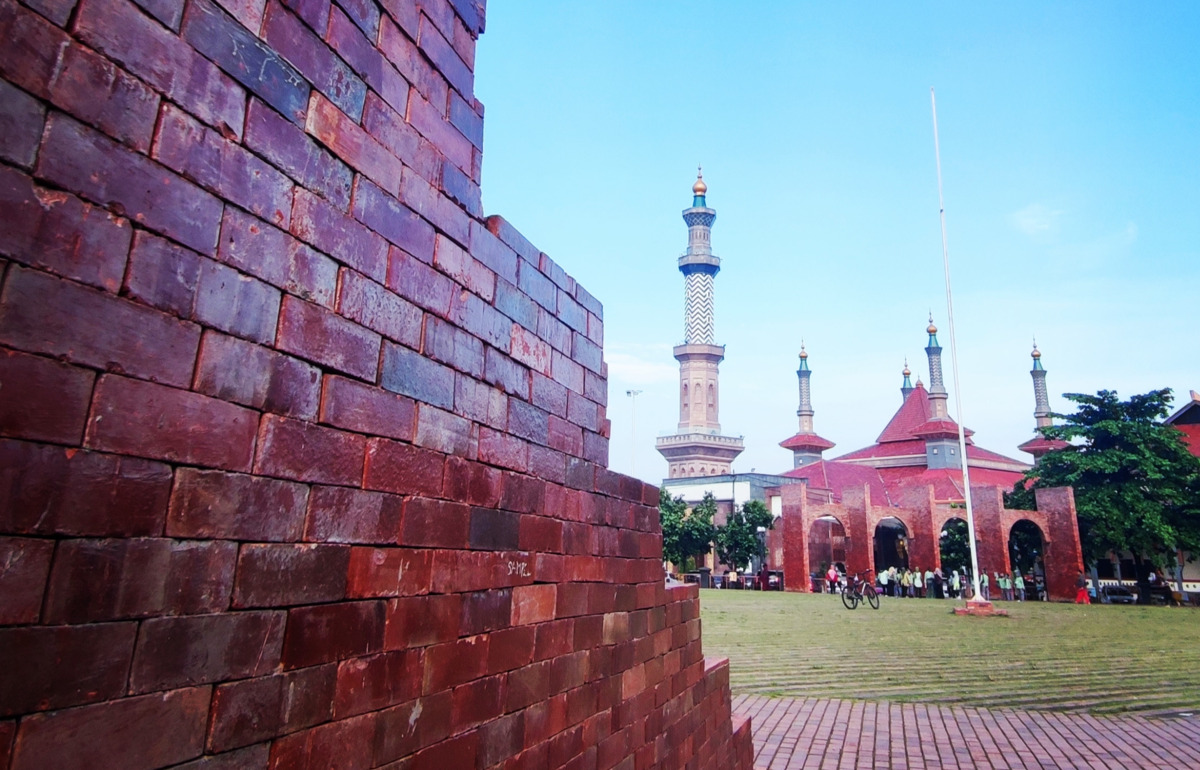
{"points": [[962, 435]]}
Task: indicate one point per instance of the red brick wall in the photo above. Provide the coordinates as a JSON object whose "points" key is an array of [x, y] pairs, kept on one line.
{"points": [[302, 459]]}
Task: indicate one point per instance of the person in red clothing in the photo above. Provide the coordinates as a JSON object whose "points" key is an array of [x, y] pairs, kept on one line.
{"points": [[1081, 590]]}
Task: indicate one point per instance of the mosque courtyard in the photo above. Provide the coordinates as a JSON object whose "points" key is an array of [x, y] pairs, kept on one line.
{"points": [[1111, 686]]}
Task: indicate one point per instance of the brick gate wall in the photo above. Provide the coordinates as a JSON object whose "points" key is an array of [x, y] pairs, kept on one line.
{"points": [[302, 459]]}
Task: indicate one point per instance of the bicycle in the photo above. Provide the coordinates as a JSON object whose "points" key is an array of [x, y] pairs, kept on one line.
{"points": [[859, 590]]}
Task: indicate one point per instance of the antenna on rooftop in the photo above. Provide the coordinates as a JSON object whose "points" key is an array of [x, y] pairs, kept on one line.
{"points": [[962, 436]]}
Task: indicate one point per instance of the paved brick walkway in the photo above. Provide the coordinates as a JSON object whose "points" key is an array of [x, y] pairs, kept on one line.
{"points": [[822, 734]]}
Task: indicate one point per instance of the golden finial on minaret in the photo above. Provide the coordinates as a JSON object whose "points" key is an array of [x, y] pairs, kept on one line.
{"points": [[1036, 353], [906, 372], [932, 329], [699, 188]]}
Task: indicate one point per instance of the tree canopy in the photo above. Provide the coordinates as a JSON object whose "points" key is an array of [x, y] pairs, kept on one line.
{"points": [[685, 533], [1137, 487], [737, 541]]}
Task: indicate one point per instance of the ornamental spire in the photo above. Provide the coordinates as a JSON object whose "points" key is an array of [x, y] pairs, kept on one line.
{"points": [[937, 390], [907, 387], [1041, 409]]}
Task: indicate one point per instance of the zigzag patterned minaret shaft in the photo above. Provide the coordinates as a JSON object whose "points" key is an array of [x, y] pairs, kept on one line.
{"points": [[699, 449]]}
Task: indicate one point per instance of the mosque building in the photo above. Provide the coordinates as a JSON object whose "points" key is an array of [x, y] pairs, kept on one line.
{"points": [[890, 501]]}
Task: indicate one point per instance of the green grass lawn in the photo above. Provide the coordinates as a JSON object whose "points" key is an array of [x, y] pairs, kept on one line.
{"points": [[1098, 658]]}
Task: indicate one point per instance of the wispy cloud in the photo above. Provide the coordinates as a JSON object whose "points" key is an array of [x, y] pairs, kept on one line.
{"points": [[1036, 219], [641, 364]]}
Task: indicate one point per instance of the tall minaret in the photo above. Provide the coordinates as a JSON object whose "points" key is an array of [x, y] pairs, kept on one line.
{"points": [[906, 387], [1041, 408], [699, 449], [937, 390], [1039, 444], [806, 446]]}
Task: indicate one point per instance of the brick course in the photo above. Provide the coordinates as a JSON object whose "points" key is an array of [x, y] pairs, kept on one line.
{"points": [[302, 459]]}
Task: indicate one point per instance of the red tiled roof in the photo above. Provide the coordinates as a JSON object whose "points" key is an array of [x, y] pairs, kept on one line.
{"points": [[835, 476], [911, 414], [806, 441], [1039, 444], [1191, 436], [979, 453], [947, 482], [911, 446]]}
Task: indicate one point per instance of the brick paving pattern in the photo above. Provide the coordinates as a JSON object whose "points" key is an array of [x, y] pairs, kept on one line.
{"points": [[827, 734]]}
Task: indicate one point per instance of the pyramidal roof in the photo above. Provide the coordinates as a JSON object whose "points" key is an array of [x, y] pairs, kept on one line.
{"points": [[911, 415]]}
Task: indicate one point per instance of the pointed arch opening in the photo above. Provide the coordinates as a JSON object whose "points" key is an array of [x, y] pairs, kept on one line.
{"points": [[890, 544], [826, 545]]}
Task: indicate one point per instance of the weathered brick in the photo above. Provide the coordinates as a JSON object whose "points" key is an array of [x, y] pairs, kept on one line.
{"points": [[595, 448], [367, 409], [541, 533], [515, 304], [445, 432], [236, 370], [431, 122], [450, 345], [502, 229], [248, 12], [57, 11], [454, 663], [213, 504], [149, 420], [403, 469], [556, 333], [309, 54], [63, 666], [387, 572], [329, 632], [468, 122], [97, 580], [365, 15], [42, 314], [566, 372], [169, 12], [278, 575], [527, 421], [419, 621], [469, 312], [501, 370], [302, 451], [34, 49], [60, 233], [595, 387], [398, 46], [315, 13], [480, 402], [43, 399], [429, 202], [49, 490], [339, 236], [222, 167], [342, 515], [162, 274], [291, 150], [245, 712], [479, 570], [248, 758], [362, 55], [197, 649], [389, 127], [347, 140], [462, 189], [477, 702], [245, 58], [118, 731], [236, 303], [163, 60], [588, 354], [96, 91], [409, 373], [393, 220], [419, 283], [501, 449], [317, 334], [24, 568], [493, 252], [455, 262], [344, 743], [435, 523], [494, 530], [254, 247], [372, 305], [376, 682], [471, 482], [546, 463], [83, 161]]}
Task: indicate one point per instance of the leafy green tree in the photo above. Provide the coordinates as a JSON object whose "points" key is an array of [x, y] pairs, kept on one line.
{"points": [[685, 533], [1137, 488], [737, 541], [954, 546]]}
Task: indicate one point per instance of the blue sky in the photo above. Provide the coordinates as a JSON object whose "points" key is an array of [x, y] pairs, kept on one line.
{"points": [[1070, 141]]}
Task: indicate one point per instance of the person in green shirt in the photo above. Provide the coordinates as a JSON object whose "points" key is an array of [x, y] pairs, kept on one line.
{"points": [[984, 591], [1019, 584]]}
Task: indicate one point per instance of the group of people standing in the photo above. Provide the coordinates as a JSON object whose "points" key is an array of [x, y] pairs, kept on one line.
{"points": [[1011, 586], [915, 584]]}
